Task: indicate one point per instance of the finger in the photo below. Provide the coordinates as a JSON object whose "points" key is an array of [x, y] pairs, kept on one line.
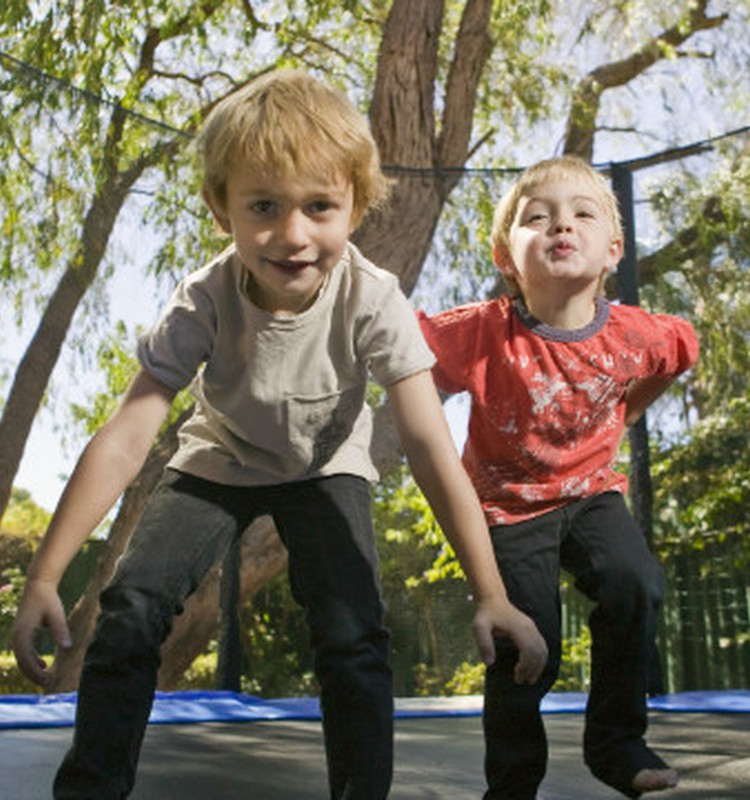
{"points": [[31, 664], [485, 644], [58, 627], [529, 666], [523, 673]]}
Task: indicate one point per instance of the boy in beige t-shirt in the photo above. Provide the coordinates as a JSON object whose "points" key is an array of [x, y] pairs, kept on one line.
{"points": [[278, 336]]}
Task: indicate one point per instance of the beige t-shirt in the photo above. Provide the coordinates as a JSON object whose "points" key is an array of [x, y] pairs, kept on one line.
{"points": [[282, 399]]}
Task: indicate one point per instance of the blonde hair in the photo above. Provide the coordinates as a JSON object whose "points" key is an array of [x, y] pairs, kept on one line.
{"points": [[288, 122], [549, 171]]}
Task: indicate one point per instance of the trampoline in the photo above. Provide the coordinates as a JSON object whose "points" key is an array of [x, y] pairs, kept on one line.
{"points": [[232, 746]]}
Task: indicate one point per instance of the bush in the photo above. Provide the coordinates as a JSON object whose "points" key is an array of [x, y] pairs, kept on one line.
{"points": [[11, 586], [467, 679], [11, 680], [575, 669], [200, 675]]}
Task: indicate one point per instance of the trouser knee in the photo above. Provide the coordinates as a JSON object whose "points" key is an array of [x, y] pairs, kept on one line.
{"points": [[349, 649], [629, 593], [131, 627]]}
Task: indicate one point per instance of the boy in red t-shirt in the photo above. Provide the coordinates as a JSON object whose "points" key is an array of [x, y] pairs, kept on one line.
{"points": [[555, 373]]}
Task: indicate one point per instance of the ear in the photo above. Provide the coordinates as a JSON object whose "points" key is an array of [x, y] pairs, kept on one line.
{"points": [[217, 211], [503, 261], [614, 254]]}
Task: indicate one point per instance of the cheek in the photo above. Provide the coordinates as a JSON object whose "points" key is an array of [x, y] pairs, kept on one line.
{"points": [[523, 249], [335, 237], [250, 239]]}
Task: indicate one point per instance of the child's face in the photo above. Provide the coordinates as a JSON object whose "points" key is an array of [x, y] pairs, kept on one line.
{"points": [[290, 232], [561, 239]]}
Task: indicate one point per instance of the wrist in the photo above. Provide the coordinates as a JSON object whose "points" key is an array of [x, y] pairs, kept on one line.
{"points": [[494, 598]]}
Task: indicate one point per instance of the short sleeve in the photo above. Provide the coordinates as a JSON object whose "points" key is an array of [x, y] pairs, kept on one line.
{"points": [[389, 340], [451, 335], [674, 347], [182, 338]]}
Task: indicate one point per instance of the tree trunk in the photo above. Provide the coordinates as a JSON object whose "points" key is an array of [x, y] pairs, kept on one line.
{"points": [[35, 368], [402, 117]]}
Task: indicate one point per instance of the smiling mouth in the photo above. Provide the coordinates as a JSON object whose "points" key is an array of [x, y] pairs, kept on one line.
{"points": [[291, 267]]}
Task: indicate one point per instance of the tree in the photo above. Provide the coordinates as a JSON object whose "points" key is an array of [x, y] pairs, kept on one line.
{"points": [[447, 81]]}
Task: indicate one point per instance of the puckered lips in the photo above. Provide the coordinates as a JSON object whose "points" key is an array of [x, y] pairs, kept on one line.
{"points": [[562, 248]]}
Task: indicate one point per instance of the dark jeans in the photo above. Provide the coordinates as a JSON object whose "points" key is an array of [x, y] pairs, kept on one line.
{"points": [[597, 541], [333, 569]]}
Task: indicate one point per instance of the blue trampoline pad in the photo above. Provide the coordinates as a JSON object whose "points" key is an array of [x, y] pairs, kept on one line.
{"points": [[39, 711]]}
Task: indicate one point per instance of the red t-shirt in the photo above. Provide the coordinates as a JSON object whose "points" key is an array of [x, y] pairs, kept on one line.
{"points": [[548, 405]]}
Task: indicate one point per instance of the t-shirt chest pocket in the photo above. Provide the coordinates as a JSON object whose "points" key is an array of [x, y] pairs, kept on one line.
{"points": [[318, 425]]}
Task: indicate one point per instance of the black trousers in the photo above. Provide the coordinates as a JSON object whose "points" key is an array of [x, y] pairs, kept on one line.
{"points": [[188, 524], [597, 541]]}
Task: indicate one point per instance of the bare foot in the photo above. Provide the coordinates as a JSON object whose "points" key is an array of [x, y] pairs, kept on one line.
{"points": [[654, 780]]}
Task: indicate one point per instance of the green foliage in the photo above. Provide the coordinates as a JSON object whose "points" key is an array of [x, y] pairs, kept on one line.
{"points": [[201, 674], [24, 518], [11, 680], [406, 522], [575, 667], [23, 526], [118, 365], [276, 649], [467, 679], [703, 273], [702, 486], [11, 587], [428, 682]]}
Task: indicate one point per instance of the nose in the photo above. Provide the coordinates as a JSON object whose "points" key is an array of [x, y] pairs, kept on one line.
{"points": [[292, 228], [563, 221]]}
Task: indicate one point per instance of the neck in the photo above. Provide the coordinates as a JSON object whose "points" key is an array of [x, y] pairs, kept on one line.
{"points": [[564, 313]]}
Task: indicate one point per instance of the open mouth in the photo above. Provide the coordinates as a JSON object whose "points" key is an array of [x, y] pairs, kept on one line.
{"points": [[291, 267]]}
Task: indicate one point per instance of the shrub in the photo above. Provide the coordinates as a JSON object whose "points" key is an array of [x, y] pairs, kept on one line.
{"points": [[11, 680]]}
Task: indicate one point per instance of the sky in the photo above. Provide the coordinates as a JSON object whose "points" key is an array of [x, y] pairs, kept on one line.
{"points": [[49, 457]]}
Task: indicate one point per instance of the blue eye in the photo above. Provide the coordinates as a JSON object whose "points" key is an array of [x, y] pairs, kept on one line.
{"points": [[262, 206]]}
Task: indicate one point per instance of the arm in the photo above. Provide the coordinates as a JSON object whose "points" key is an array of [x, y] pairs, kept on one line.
{"points": [[641, 394], [437, 469], [110, 461]]}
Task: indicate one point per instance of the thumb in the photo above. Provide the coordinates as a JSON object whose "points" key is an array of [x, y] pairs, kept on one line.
{"points": [[58, 627]]}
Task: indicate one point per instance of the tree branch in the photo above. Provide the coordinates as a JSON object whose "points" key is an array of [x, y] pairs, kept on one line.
{"points": [[473, 48], [586, 100], [696, 240]]}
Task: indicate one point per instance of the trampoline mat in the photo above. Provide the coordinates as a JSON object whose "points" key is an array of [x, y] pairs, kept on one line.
{"points": [[438, 754]]}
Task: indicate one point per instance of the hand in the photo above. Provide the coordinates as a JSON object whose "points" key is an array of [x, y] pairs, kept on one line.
{"points": [[40, 608], [497, 618]]}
